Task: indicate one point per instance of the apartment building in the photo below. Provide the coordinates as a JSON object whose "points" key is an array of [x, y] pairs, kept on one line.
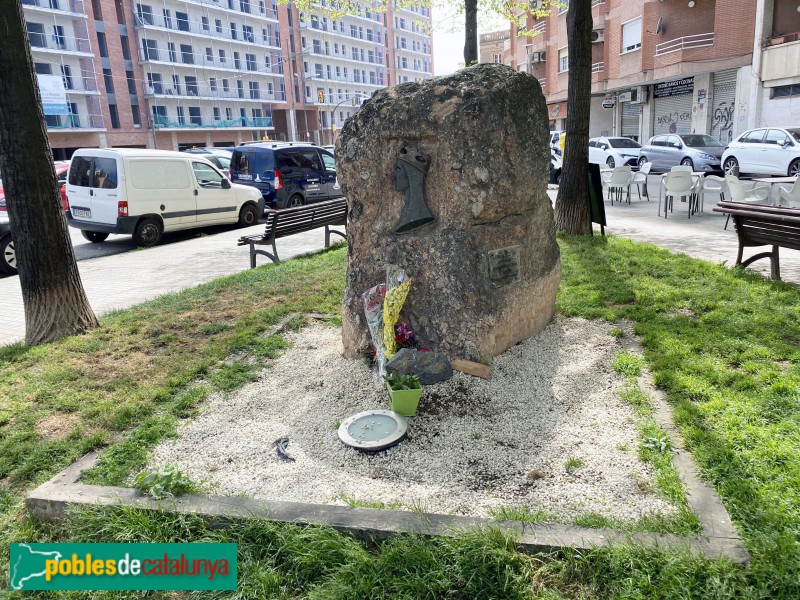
{"points": [[174, 74], [492, 45], [658, 66]]}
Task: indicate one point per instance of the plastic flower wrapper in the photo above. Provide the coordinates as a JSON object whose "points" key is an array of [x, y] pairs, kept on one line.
{"points": [[395, 298], [373, 311]]}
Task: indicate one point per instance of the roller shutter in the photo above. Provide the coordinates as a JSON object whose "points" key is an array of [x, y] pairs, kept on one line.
{"points": [[673, 106], [630, 120], [723, 103]]}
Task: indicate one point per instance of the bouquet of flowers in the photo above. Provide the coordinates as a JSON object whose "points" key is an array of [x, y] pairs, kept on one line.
{"points": [[373, 311]]}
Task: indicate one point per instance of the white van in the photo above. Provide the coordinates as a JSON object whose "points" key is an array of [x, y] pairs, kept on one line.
{"points": [[147, 192]]}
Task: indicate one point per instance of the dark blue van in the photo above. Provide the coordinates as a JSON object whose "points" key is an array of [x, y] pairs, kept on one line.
{"points": [[286, 173]]}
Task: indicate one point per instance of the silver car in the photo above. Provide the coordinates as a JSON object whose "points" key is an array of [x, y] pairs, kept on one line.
{"points": [[700, 152]]}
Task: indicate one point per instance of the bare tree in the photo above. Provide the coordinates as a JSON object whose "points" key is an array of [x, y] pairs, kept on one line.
{"points": [[572, 204], [54, 299]]}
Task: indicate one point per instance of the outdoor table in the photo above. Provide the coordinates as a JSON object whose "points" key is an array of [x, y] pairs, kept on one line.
{"points": [[772, 181]]}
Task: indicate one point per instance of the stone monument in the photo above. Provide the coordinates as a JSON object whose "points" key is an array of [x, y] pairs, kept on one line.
{"points": [[447, 179]]}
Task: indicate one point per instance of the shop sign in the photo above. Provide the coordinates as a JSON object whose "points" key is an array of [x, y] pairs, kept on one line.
{"points": [[609, 101], [678, 87], [626, 96]]}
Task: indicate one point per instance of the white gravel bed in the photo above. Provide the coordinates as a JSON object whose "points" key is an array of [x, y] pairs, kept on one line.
{"points": [[474, 445]]}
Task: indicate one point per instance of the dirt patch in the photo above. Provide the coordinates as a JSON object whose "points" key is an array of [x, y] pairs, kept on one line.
{"points": [[57, 426]]}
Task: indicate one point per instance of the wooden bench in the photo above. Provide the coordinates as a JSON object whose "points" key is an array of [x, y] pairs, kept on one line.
{"points": [[288, 221], [762, 225]]}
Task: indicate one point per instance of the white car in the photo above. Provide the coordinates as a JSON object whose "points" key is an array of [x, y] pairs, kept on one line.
{"points": [[614, 151], [767, 151]]}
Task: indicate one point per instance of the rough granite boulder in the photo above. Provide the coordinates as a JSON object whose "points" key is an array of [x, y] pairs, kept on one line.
{"points": [[485, 268]]}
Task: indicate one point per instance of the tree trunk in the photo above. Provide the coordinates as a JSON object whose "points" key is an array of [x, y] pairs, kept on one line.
{"points": [[572, 204], [54, 299], [471, 35]]}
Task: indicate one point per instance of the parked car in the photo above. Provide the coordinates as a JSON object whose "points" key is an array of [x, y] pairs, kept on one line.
{"points": [[145, 193], [219, 157], [614, 151], [8, 258], [555, 140], [286, 173], [555, 166], [61, 168], [767, 150], [700, 152]]}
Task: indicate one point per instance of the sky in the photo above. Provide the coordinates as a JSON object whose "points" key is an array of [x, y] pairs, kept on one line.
{"points": [[448, 38]]}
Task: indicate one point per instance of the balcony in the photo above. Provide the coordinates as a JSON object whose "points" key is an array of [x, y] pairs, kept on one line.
{"points": [[687, 42], [199, 60], [80, 85], [205, 122], [221, 5], [780, 62], [204, 92], [60, 44], [195, 28], [74, 122], [73, 8]]}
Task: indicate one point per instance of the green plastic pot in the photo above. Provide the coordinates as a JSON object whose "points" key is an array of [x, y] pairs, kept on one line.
{"points": [[405, 402]]}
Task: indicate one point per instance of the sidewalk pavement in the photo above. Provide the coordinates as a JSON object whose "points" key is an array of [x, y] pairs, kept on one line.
{"points": [[122, 280]]}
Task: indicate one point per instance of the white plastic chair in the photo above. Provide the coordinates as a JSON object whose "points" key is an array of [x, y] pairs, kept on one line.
{"points": [[757, 195], [620, 180], [681, 168], [678, 184], [791, 198], [711, 183], [639, 179]]}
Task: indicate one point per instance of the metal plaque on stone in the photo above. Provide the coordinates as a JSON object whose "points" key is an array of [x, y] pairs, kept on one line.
{"points": [[504, 266]]}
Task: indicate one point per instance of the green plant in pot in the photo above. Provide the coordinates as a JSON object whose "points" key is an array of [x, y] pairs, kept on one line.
{"points": [[405, 391]]}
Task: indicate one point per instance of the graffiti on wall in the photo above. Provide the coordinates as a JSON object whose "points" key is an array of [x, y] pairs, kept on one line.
{"points": [[673, 119], [722, 121]]}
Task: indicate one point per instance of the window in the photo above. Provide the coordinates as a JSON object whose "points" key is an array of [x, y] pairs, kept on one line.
{"points": [[212, 84], [236, 62], [233, 30], [563, 7], [36, 35], [563, 60], [318, 70], [150, 48], [135, 115], [244, 6], [126, 51], [108, 80], [101, 44], [631, 35], [217, 115], [181, 116], [173, 56], [183, 21], [154, 82], [112, 110], [775, 136], [187, 54], [316, 46], [194, 115], [145, 13], [247, 33], [209, 55], [240, 88], [105, 171], [222, 56], [754, 137], [191, 85], [225, 86], [131, 83], [167, 19], [204, 22], [206, 175], [218, 25], [176, 84], [250, 59], [66, 75]]}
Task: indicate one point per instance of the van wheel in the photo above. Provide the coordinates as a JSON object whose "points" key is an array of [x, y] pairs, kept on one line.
{"points": [[148, 233], [248, 215], [94, 236], [8, 258], [296, 200]]}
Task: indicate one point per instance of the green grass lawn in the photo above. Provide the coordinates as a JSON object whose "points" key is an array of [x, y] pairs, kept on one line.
{"points": [[724, 345]]}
